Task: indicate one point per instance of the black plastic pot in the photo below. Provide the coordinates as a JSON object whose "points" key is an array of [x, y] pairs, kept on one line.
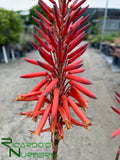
{"points": [[115, 60]]}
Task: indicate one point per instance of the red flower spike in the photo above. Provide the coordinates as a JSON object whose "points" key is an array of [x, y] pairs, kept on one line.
{"points": [[78, 5], [59, 38], [34, 75], [45, 20], [73, 66], [51, 86], [41, 42], [78, 79], [43, 120], [83, 89], [115, 133], [78, 111], [84, 19], [77, 51], [77, 71], [57, 16], [117, 111], [76, 56], [55, 104]]}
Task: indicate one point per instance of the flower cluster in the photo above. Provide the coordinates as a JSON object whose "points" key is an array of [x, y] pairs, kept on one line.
{"points": [[118, 112], [60, 88]]}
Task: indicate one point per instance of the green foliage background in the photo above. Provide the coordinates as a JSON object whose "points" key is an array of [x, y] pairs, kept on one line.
{"points": [[10, 27]]}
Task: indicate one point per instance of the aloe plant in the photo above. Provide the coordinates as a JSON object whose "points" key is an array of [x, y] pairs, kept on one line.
{"points": [[61, 88]]}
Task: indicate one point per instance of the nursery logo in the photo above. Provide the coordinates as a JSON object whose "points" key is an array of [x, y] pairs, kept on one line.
{"points": [[16, 149]]}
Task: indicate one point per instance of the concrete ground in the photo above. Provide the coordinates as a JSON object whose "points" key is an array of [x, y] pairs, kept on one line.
{"points": [[79, 144]]}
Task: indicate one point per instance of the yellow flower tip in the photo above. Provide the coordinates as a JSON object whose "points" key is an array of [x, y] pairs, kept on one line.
{"points": [[68, 125], [35, 138], [18, 98]]}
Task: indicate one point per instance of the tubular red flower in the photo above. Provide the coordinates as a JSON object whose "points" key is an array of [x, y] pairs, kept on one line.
{"points": [[64, 8], [43, 120], [115, 133], [39, 85], [35, 45], [46, 10], [65, 117], [77, 51], [66, 107], [34, 75], [75, 42], [61, 132], [55, 104], [76, 56], [51, 37], [41, 42], [66, 25], [53, 124], [59, 51], [117, 94], [73, 66], [73, 4], [57, 16], [42, 34], [77, 123], [64, 55], [45, 20], [77, 71], [46, 6], [118, 100], [78, 79], [51, 86], [39, 63], [83, 89], [78, 4], [46, 56], [40, 102], [52, 1], [78, 111], [117, 111], [74, 14], [75, 93]]}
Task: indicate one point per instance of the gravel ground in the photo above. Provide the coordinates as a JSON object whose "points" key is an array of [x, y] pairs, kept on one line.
{"points": [[93, 144]]}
